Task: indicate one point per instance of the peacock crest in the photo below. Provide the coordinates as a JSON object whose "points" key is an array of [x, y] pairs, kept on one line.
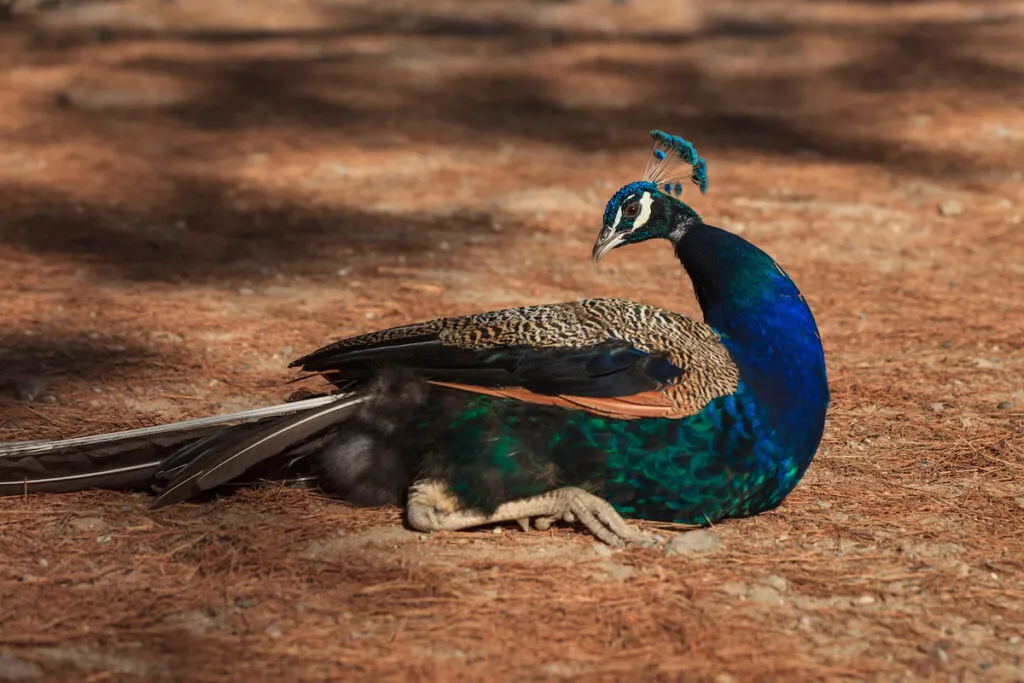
{"points": [[673, 161]]}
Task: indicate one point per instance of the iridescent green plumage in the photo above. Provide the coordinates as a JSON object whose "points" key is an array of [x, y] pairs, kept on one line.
{"points": [[666, 469]]}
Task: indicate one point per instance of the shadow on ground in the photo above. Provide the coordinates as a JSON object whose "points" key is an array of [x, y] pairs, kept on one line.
{"points": [[692, 89], [30, 366], [199, 234], [407, 90]]}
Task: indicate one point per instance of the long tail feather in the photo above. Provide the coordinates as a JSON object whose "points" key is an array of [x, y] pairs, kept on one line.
{"points": [[216, 463], [121, 460]]}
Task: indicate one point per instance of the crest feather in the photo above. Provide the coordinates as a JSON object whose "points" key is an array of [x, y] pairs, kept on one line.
{"points": [[673, 161]]}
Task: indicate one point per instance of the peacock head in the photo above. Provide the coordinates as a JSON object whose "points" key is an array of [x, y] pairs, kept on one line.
{"points": [[649, 208]]}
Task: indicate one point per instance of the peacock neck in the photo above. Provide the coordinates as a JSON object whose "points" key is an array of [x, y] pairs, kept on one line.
{"points": [[766, 325]]}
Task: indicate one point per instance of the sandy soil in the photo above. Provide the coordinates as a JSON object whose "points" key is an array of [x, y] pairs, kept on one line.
{"points": [[194, 192]]}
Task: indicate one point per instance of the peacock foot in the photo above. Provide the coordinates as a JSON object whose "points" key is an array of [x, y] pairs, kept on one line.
{"points": [[543, 523], [432, 507]]}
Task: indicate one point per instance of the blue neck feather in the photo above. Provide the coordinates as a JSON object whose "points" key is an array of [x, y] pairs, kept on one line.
{"points": [[767, 326]]}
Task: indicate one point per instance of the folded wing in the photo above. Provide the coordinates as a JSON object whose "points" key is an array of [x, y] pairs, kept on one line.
{"points": [[607, 356]]}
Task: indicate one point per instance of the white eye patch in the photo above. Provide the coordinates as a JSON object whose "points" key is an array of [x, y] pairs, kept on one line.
{"points": [[645, 210], [618, 218]]}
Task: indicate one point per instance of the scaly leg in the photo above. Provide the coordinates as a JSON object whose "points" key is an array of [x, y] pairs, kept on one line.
{"points": [[432, 507]]}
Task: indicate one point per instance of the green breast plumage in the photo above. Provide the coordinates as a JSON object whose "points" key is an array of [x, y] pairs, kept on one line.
{"points": [[719, 462]]}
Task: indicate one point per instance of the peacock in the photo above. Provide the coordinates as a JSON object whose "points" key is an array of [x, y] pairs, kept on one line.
{"points": [[592, 412]]}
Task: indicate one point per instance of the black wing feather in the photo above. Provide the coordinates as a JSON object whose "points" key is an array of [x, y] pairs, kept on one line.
{"points": [[609, 369]]}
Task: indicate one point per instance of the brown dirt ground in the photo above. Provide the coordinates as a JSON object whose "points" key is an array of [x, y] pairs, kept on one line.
{"points": [[193, 192]]}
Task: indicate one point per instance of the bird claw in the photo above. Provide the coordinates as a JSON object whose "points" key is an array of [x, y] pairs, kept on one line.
{"points": [[602, 520], [598, 516], [432, 507]]}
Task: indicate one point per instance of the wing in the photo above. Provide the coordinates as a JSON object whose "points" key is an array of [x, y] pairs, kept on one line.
{"points": [[607, 356]]}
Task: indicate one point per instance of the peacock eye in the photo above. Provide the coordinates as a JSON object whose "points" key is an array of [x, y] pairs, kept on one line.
{"points": [[631, 210]]}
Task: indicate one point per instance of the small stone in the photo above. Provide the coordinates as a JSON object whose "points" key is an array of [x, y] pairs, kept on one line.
{"points": [[1001, 131], [87, 524], [946, 344], [936, 407], [616, 571], [274, 631], [497, 531], [1005, 405], [169, 337], [735, 589], [951, 208], [692, 543], [864, 600], [777, 582], [765, 594], [960, 569], [601, 550]]}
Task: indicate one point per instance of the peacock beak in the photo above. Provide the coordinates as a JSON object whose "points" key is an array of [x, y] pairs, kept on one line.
{"points": [[606, 241]]}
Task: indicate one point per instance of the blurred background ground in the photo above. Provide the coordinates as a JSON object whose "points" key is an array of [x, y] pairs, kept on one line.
{"points": [[194, 192]]}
